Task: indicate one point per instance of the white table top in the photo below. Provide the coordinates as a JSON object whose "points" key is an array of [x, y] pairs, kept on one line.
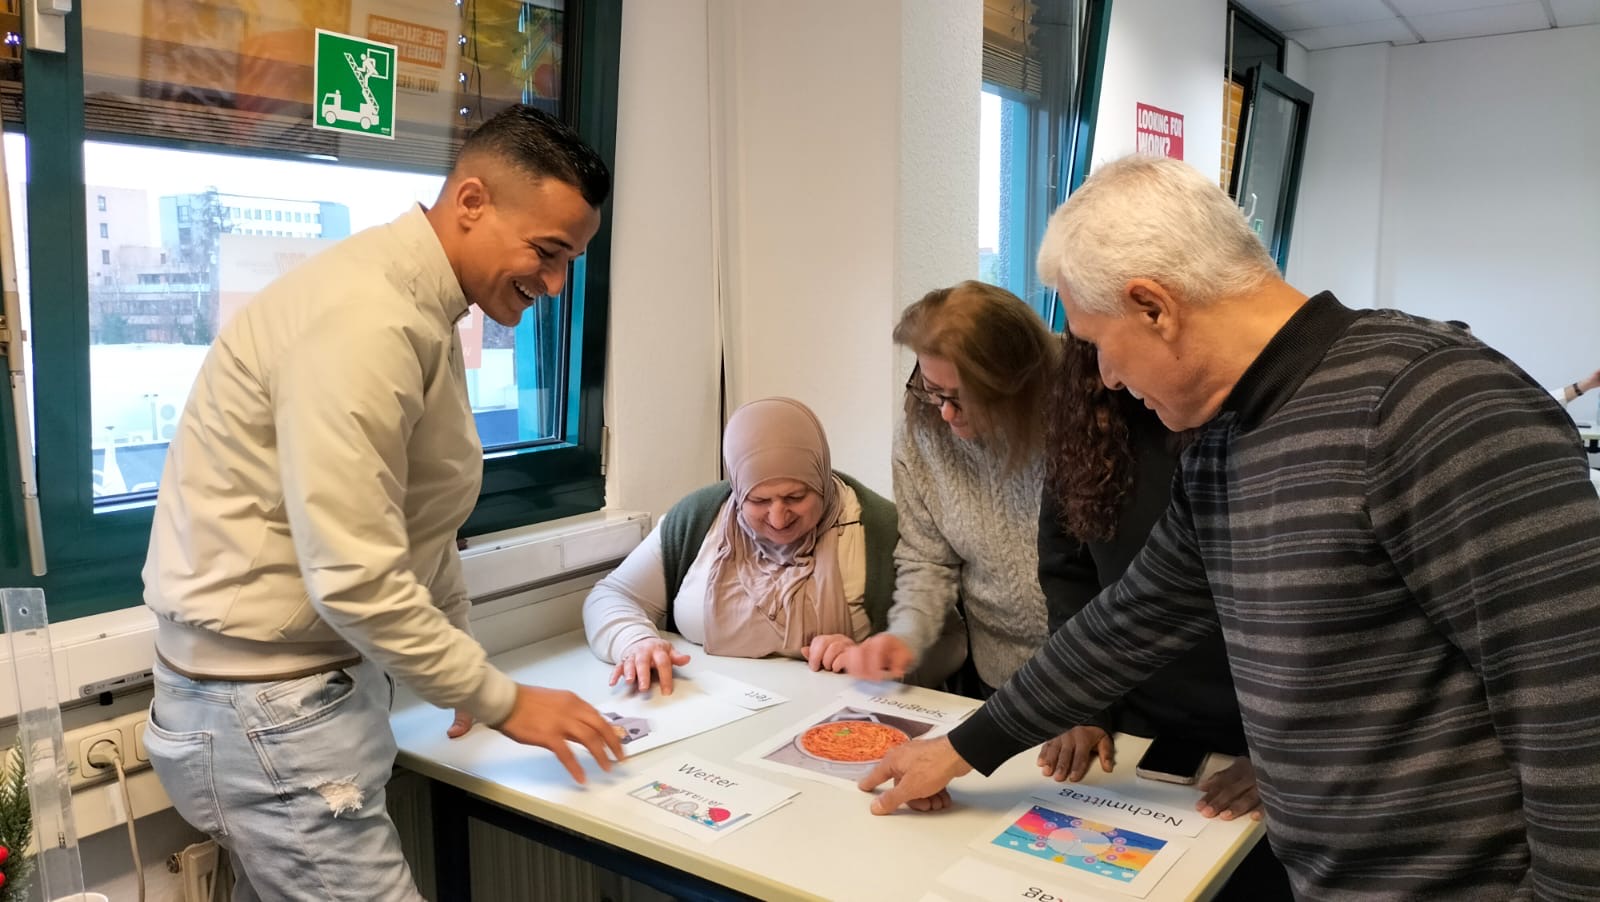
{"points": [[825, 843]]}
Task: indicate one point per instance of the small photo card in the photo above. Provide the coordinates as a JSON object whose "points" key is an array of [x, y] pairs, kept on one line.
{"points": [[842, 742], [1069, 844], [700, 798]]}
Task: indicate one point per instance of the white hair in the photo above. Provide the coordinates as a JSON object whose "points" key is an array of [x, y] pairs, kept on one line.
{"points": [[1144, 217]]}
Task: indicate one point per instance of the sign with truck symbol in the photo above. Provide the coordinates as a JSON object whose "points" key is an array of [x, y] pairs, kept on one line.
{"points": [[355, 85]]}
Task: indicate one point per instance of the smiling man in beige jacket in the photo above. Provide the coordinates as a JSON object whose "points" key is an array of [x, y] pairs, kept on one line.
{"points": [[304, 537]]}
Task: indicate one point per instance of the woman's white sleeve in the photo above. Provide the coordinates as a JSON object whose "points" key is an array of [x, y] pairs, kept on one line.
{"points": [[630, 603]]}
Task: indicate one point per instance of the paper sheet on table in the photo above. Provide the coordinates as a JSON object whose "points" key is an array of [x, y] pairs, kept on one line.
{"points": [[647, 720], [737, 691], [975, 878], [1167, 808], [1075, 846], [700, 798], [840, 742]]}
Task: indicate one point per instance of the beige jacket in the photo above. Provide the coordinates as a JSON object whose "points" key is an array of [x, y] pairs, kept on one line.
{"points": [[326, 457]]}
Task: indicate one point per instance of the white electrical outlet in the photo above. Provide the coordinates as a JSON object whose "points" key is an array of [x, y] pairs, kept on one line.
{"points": [[126, 731], [81, 742], [139, 754]]}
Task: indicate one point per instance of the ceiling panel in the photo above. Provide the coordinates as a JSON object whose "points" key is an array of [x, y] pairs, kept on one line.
{"points": [[1324, 24], [1322, 13], [1430, 7], [1474, 23], [1576, 12], [1389, 30]]}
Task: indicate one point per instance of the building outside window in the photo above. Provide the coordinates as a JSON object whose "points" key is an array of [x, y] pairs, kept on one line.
{"points": [[193, 126]]}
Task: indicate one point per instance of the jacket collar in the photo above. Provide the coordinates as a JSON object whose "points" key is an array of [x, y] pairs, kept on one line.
{"points": [[434, 276], [1291, 356]]}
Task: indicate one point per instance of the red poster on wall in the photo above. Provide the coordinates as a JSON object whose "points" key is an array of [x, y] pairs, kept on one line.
{"points": [[1158, 132]]}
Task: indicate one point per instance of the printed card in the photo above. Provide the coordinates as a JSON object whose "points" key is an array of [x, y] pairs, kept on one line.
{"points": [[842, 742], [977, 878], [736, 691], [705, 800], [1158, 816], [647, 720], [1072, 845]]}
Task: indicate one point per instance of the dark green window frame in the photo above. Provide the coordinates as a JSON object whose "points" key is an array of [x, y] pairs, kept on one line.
{"points": [[95, 556], [1055, 137]]}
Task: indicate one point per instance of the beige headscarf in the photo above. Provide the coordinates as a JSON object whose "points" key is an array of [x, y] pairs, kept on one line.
{"points": [[765, 598]]}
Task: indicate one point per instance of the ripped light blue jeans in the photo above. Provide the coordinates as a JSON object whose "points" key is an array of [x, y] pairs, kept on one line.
{"points": [[289, 777]]}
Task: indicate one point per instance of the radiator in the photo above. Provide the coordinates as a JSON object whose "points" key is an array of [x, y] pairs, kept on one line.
{"points": [[206, 874]]}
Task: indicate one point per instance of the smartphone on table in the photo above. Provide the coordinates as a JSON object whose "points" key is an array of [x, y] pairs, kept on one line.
{"points": [[1172, 759]]}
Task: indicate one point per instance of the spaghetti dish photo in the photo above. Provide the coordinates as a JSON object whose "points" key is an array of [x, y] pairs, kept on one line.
{"points": [[851, 741]]}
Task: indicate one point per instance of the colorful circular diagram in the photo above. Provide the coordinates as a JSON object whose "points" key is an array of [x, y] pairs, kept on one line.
{"points": [[1080, 842]]}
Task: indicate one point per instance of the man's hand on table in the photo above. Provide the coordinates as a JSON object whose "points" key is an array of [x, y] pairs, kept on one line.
{"points": [[921, 770], [551, 718], [1231, 792], [1068, 756]]}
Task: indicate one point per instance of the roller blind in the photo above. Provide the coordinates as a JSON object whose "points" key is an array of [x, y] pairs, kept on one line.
{"points": [[233, 74], [1010, 56]]}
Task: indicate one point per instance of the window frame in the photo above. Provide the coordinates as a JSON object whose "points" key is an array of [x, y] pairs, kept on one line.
{"points": [[1059, 131], [95, 555]]}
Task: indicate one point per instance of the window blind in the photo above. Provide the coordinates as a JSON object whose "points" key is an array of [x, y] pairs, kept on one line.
{"points": [[1010, 56]]}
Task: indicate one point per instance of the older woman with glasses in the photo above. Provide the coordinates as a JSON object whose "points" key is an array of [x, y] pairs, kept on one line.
{"points": [[968, 467], [787, 557]]}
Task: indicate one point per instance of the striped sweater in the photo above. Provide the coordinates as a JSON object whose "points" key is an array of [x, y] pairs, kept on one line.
{"points": [[1403, 545]]}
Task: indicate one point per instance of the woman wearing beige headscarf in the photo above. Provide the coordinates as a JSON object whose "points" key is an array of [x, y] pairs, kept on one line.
{"points": [[787, 557]]}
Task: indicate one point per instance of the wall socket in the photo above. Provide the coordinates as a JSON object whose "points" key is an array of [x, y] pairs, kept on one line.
{"points": [[126, 731]]}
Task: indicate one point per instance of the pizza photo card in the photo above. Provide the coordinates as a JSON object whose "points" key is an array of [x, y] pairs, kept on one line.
{"points": [[844, 741]]}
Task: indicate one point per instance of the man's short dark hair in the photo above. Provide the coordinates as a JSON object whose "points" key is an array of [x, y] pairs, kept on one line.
{"points": [[544, 147]]}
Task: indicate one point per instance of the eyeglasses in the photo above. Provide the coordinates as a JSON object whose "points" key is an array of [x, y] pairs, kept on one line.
{"points": [[919, 390]]}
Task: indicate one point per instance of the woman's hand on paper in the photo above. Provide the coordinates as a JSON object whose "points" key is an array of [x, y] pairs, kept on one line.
{"points": [[1068, 756], [644, 658], [827, 652], [880, 657], [1231, 792]]}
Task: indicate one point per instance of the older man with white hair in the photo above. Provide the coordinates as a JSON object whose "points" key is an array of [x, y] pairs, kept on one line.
{"points": [[1393, 525]]}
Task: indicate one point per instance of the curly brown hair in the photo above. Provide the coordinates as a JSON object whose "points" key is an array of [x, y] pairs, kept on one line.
{"points": [[1088, 449]]}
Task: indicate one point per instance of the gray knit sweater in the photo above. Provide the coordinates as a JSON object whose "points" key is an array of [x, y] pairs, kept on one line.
{"points": [[967, 529]]}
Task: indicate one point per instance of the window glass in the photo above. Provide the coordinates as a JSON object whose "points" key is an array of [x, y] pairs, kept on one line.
{"points": [[181, 250], [1034, 52], [1003, 256]]}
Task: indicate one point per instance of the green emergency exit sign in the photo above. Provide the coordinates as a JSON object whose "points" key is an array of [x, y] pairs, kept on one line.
{"points": [[354, 85]]}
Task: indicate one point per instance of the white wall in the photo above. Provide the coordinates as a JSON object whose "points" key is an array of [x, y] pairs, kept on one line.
{"points": [[1491, 188], [1169, 55], [1296, 61], [661, 380], [1337, 217], [1466, 188], [794, 183]]}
